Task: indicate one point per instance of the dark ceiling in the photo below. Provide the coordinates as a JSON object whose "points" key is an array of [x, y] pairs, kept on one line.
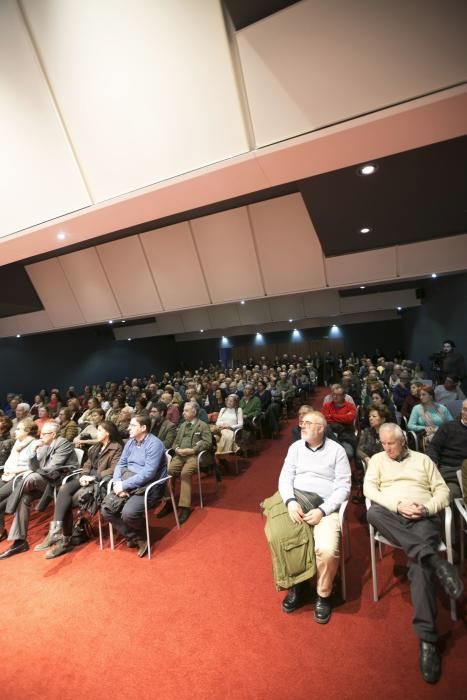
{"points": [[245, 12], [413, 196]]}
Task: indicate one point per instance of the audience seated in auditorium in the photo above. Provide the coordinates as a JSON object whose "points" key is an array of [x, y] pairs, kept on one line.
{"points": [[193, 437], [449, 390], [428, 415], [230, 419], [6, 441], [161, 427], [314, 482], [448, 450], [297, 429], [16, 462], [407, 493], [100, 464], [173, 413], [369, 442], [377, 398], [88, 435], [85, 418], [250, 404], [51, 458], [413, 399], [68, 428], [54, 403], [270, 410], [143, 461], [21, 412], [402, 389], [329, 397], [340, 415]]}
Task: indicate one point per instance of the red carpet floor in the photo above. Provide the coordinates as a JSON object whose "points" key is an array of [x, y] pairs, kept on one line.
{"points": [[202, 618]]}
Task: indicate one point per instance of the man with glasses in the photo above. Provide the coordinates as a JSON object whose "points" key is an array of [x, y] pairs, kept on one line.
{"points": [[302, 517], [143, 460], [51, 459]]}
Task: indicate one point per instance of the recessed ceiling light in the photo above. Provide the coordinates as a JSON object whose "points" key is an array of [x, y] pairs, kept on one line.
{"points": [[364, 230], [362, 287], [18, 335], [399, 308], [242, 301], [367, 169], [61, 236], [290, 320], [123, 321], [201, 330], [129, 338], [434, 275], [333, 325], [110, 321]]}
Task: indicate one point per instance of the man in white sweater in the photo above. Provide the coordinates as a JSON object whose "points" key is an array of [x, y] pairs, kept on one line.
{"points": [[303, 516], [407, 492]]}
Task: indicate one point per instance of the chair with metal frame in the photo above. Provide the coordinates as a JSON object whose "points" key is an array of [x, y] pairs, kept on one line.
{"points": [[462, 508], [375, 536]]}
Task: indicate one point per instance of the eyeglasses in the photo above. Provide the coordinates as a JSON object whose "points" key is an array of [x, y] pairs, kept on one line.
{"points": [[49, 432], [308, 423]]}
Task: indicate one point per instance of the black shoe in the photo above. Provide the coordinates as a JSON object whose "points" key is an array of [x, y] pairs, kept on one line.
{"points": [[323, 610], [430, 662], [17, 547], [449, 578], [142, 547], [183, 515], [293, 599], [3, 535], [168, 508]]}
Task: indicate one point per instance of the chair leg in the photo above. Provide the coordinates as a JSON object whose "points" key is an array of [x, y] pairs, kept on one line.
{"points": [[448, 532], [200, 489], [342, 564], [174, 506], [373, 563], [146, 515], [101, 543]]}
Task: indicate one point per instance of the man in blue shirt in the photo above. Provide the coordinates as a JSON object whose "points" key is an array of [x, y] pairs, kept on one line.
{"points": [[143, 460]]}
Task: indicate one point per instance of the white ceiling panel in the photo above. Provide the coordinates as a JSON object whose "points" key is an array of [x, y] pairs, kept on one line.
{"points": [[130, 278], [221, 234], [34, 322], [90, 286], [195, 319], [289, 251], [174, 262], [359, 268], [321, 303], [440, 255], [286, 307], [55, 293], [224, 316]]}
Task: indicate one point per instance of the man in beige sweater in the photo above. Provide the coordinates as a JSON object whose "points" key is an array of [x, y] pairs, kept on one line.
{"points": [[407, 494]]}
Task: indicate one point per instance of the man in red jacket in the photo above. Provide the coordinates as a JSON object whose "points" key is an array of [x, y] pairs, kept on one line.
{"points": [[340, 415]]}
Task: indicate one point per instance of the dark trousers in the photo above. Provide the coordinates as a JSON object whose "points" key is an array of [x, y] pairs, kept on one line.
{"points": [[33, 487], [130, 521], [418, 539], [64, 505], [6, 487]]}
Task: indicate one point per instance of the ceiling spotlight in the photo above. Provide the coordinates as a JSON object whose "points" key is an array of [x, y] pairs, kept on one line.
{"points": [[242, 301], [334, 326], [290, 320], [129, 338], [201, 330], [123, 320], [18, 335], [110, 321], [434, 275], [399, 308], [367, 169], [364, 230], [362, 287], [61, 236]]}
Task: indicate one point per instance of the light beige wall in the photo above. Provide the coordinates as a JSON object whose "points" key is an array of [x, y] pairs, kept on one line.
{"points": [[323, 61]]}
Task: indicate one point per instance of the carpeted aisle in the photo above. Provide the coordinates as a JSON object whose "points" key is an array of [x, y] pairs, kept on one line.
{"points": [[202, 618]]}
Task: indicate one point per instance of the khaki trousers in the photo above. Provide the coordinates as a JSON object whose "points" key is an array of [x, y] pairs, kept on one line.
{"points": [[298, 550], [183, 467]]}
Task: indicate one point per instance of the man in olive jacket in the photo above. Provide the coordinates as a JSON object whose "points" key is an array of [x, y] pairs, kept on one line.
{"points": [[193, 437]]}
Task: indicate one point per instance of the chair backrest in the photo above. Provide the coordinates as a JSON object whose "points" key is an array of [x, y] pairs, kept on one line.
{"points": [[459, 479], [454, 407], [169, 458], [79, 454]]}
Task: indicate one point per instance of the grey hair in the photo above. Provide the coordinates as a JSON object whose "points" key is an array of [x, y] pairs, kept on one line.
{"points": [[394, 428], [54, 425], [25, 406], [194, 406]]}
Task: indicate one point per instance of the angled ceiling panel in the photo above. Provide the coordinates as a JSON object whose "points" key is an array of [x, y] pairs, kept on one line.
{"points": [[130, 278], [174, 262], [224, 316], [195, 319], [359, 268], [55, 293], [380, 301], [440, 255], [289, 250], [35, 322], [169, 323], [321, 303], [228, 230], [90, 286], [285, 308], [254, 311]]}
